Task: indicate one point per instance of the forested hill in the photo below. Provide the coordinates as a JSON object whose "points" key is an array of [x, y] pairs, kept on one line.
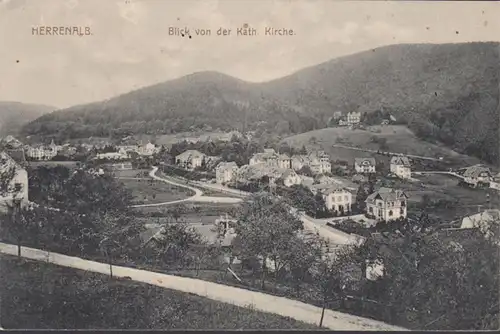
{"points": [[446, 92], [13, 115]]}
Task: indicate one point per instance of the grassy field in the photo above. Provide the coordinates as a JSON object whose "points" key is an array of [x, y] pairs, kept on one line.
{"points": [[131, 173], [446, 187], [399, 140], [152, 191], [44, 296]]}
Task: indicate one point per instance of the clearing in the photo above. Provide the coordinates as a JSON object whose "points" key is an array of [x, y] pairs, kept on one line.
{"points": [[399, 139], [152, 191]]}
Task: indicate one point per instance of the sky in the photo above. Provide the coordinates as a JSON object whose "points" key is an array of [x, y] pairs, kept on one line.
{"points": [[130, 46]]}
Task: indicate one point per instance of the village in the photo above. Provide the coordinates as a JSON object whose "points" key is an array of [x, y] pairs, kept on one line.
{"points": [[350, 196]]}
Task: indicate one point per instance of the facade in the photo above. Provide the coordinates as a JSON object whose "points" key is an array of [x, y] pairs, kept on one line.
{"points": [[401, 167], [190, 159], [318, 162], [364, 165], [284, 161], [481, 220], [477, 174], [225, 172], [387, 204], [299, 161], [111, 156], [290, 178], [353, 118], [16, 188], [147, 150], [42, 152], [336, 197], [269, 157]]}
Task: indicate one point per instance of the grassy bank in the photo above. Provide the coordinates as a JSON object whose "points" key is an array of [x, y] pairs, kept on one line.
{"points": [[45, 296]]}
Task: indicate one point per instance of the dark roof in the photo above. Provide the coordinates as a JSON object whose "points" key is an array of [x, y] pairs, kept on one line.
{"points": [[17, 155]]}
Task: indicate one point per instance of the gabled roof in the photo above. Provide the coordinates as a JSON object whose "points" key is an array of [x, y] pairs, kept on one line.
{"points": [[360, 161], [485, 217], [476, 170], [189, 153], [386, 194], [7, 162], [326, 189], [227, 165], [398, 160]]}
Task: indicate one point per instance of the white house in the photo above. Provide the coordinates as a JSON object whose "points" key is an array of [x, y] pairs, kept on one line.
{"points": [[387, 204], [290, 178], [111, 156], [190, 159], [42, 152], [477, 174], [482, 219], [147, 150], [336, 197], [364, 165], [353, 118], [225, 172], [268, 157], [401, 167], [13, 182], [284, 161]]}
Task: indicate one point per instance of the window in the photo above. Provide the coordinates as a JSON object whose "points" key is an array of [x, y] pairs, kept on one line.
{"points": [[390, 213], [371, 209], [403, 203], [18, 187], [346, 198], [339, 199], [401, 211]]}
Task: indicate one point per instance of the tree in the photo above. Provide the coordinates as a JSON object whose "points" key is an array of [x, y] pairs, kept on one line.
{"points": [[266, 228], [361, 196]]}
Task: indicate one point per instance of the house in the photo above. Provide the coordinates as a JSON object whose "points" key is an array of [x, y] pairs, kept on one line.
{"points": [[41, 152], [387, 204], [323, 179], [353, 118], [343, 122], [299, 161], [111, 156], [290, 178], [147, 150], [477, 175], [190, 159], [336, 197], [225, 172], [401, 167], [284, 161], [268, 157], [481, 220], [364, 165], [13, 183], [11, 142], [337, 115]]}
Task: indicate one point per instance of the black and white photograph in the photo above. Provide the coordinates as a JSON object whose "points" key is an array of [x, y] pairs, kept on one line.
{"points": [[249, 165]]}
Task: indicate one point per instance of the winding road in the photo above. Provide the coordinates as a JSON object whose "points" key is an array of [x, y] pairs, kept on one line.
{"points": [[197, 197], [223, 293], [334, 236]]}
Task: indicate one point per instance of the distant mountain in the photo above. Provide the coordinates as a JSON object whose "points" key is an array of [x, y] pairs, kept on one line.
{"points": [[13, 115], [446, 92]]}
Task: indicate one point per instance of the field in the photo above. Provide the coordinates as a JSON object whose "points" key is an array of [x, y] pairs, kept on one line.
{"points": [[399, 140], [43, 296], [153, 191], [131, 173], [446, 187]]}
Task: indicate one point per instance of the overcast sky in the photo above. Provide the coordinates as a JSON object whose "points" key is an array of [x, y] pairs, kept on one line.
{"points": [[130, 46]]}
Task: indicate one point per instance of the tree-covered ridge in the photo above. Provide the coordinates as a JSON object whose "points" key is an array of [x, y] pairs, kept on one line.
{"points": [[446, 92]]}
